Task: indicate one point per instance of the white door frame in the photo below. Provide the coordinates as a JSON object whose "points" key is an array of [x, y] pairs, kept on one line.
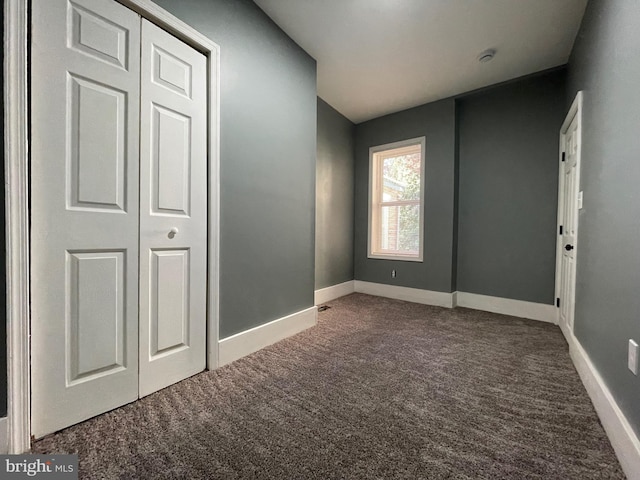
{"points": [[575, 112], [16, 155]]}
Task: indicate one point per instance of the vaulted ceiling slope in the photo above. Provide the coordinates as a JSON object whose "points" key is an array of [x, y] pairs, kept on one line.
{"points": [[381, 56]]}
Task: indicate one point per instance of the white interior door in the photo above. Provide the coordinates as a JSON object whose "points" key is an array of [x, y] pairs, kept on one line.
{"points": [[84, 210], [118, 209], [173, 210], [568, 220]]}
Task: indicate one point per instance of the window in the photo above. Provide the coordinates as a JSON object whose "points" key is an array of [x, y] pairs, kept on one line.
{"points": [[396, 200]]}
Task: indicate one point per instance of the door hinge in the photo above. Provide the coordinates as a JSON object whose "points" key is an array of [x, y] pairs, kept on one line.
{"points": [[563, 156], [558, 302], [560, 229]]}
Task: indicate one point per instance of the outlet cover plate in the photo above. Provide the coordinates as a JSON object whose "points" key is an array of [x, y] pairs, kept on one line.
{"points": [[633, 356]]}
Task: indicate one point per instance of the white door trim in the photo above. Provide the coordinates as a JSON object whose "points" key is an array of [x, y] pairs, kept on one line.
{"points": [[17, 199], [16, 168], [575, 111]]}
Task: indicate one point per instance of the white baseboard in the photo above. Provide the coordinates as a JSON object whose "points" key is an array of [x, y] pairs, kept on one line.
{"points": [[244, 343], [507, 306], [327, 294], [4, 436], [621, 435], [428, 297]]}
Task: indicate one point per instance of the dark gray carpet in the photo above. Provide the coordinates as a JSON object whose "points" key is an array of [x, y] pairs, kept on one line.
{"points": [[380, 389]]}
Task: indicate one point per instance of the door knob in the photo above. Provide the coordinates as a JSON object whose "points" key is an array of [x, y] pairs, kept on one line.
{"points": [[568, 247], [173, 232]]}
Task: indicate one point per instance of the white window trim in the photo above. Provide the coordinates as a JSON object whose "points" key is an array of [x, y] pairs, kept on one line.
{"points": [[390, 146]]}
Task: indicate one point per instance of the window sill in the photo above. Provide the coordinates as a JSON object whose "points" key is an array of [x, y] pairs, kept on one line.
{"points": [[402, 258]]}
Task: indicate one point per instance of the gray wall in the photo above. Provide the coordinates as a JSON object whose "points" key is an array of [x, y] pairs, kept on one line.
{"points": [[605, 64], [508, 188], [334, 197], [491, 190], [436, 121], [268, 155]]}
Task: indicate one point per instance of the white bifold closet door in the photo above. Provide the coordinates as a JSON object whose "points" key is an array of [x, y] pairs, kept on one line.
{"points": [[173, 210], [118, 210]]}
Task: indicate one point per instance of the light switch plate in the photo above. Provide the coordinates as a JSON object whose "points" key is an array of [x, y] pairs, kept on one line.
{"points": [[633, 356], [579, 200]]}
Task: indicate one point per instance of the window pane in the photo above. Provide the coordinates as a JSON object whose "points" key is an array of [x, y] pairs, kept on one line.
{"points": [[400, 229], [401, 178]]}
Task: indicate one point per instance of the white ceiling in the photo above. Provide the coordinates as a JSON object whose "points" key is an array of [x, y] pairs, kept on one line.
{"points": [[382, 56]]}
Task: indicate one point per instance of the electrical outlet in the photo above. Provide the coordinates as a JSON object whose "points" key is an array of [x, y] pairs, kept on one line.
{"points": [[393, 274], [633, 356]]}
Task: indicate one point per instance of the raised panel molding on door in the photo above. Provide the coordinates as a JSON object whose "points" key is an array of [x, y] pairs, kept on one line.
{"points": [[96, 176], [170, 71], [98, 36], [169, 302], [85, 79], [95, 316], [173, 210], [171, 162]]}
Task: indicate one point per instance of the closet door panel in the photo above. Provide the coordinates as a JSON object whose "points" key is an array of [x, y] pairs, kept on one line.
{"points": [[173, 210], [84, 210]]}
